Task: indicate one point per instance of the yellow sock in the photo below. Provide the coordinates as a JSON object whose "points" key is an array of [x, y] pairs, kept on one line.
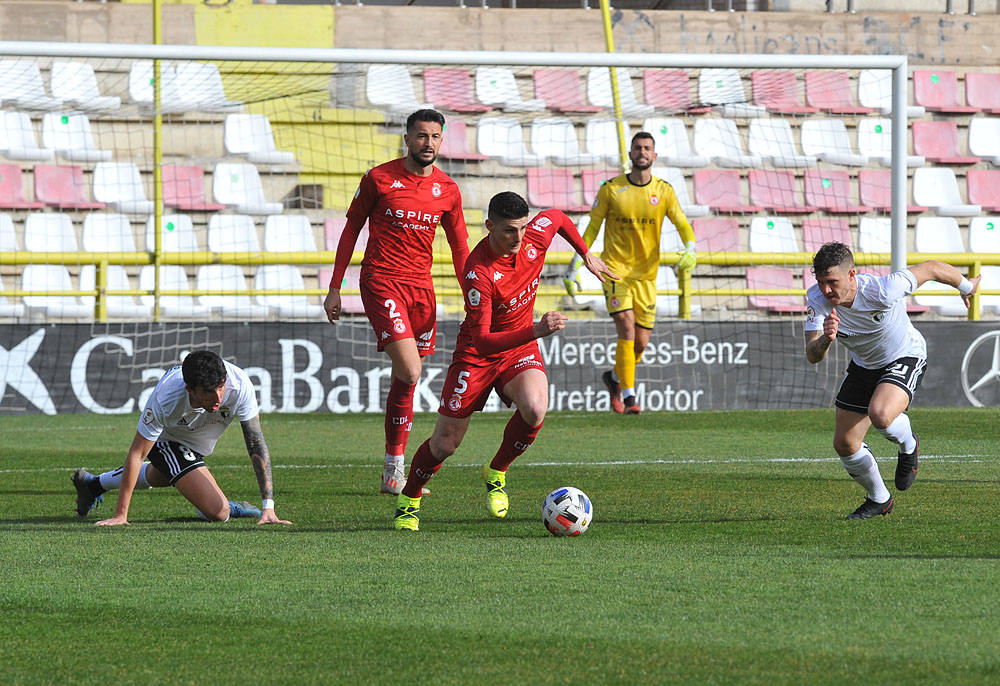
{"points": [[625, 363]]}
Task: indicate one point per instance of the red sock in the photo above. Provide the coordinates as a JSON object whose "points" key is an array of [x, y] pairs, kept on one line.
{"points": [[398, 416], [517, 437], [422, 467]]}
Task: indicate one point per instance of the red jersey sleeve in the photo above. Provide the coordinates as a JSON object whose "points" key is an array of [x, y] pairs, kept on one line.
{"points": [[567, 229], [453, 223], [357, 214], [479, 295]]}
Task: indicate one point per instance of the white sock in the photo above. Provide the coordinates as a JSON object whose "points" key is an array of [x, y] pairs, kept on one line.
{"points": [[863, 469], [900, 433], [394, 462], [628, 393], [112, 481]]}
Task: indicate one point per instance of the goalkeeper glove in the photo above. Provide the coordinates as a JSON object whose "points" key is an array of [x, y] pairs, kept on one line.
{"points": [[688, 259], [571, 280]]}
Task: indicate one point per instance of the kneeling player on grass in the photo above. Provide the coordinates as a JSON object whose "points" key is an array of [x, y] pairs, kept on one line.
{"points": [[888, 355], [187, 412], [496, 347]]}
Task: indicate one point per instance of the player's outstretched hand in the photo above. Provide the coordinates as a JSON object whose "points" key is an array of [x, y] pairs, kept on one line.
{"points": [[595, 265], [688, 257], [332, 306], [830, 324], [549, 324], [967, 299], [113, 521], [268, 517]]}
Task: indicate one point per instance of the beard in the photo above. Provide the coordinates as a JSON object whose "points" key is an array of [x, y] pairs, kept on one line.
{"points": [[640, 166], [422, 162]]}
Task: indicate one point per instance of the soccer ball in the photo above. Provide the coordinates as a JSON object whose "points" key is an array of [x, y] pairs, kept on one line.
{"points": [[567, 511]]}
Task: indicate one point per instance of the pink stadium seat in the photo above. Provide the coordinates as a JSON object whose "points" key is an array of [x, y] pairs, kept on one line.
{"points": [[63, 186], [816, 232], [717, 234], [553, 188], [592, 180], [350, 304], [452, 89], [455, 145], [830, 91], [775, 190], [184, 188], [722, 191], [875, 190], [774, 277], [334, 226], [669, 90], [778, 91], [937, 141], [937, 91], [983, 186], [982, 91], [830, 190], [561, 90], [12, 190]]}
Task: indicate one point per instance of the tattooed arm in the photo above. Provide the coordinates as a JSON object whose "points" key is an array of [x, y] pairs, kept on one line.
{"points": [[260, 458]]}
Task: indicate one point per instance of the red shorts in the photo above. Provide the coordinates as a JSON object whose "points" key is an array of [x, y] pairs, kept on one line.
{"points": [[471, 377], [400, 310]]}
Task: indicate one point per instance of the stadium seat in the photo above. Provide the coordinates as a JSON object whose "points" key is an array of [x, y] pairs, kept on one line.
{"points": [[501, 137], [984, 138], [719, 140], [554, 188], [452, 89], [250, 136], [937, 141], [21, 86], [120, 184], [63, 187], [875, 190], [118, 306], [875, 234], [773, 234], [601, 136], [69, 135], [875, 92], [939, 235], [773, 140], [560, 90], [227, 277], [830, 91], [8, 237], [937, 91], [875, 142], [984, 234], [675, 177], [990, 282], [669, 305], [45, 232], [388, 86], [238, 186], [827, 140], [673, 148], [455, 143], [982, 91], [983, 186], [717, 234], [599, 92], [107, 233], [9, 309], [177, 234], [937, 188], [52, 277], [776, 191], [722, 190], [555, 137], [232, 233], [816, 232], [725, 87], [285, 277], [12, 189], [140, 86], [776, 278], [289, 233], [778, 91], [830, 190], [497, 86], [17, 138], [592, 181], [76, 84], [199, 88], [333, 227], [172, 278], [184, 188], [669, 90]]}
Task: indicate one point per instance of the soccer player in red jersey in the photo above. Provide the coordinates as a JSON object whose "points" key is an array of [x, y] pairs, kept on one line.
{"points": [[403, 202], [497, 347]]}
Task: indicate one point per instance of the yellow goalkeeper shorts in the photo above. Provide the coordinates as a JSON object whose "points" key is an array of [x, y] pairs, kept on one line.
{"points": [[638, 295]]}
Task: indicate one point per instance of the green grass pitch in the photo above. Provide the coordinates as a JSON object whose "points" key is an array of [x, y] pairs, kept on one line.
{"points": [[718, 554]]}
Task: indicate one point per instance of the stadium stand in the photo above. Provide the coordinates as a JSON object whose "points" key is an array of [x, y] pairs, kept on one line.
{"points": [[982, 91], [778, 91], [983, 186], [984, 234], [502, 137], [599, 92], [669, 90], [238, 186], [724, 87], [937, 91], [21, 86], [816, 232], [592, 180], [250, 136], [17, 138], [675, 177], [177, 234], [63, 186], [232, 233], [455, 143], [9, 309], [875, 92], [75, 83], [937, 142], [555, 137], [69, 135], [118, 306], [12, 194], [8, 236], [288, 233], [830, 91], [285, 277], [875, 234], [774, 277], [184, 188], [828, 141], [984, 138], [172, 278], [388, 86], [722, 190], [776, 191], [227, 277], [875, 190], [830, 190], [772, 139], [49, 232], [673, 147], [452, 89], [497, 86], [717, 234], [937, 188], [554, 188], [561, 91], [719, 140], [875, 142], [52, 277], [773, 234], [601, 137], [120, 184], [107, 232]]}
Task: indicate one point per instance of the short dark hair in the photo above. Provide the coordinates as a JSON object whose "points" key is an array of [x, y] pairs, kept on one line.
{"points": [[643, 134], [203, 369], [832, 255], [424, 115], [507, 205]]}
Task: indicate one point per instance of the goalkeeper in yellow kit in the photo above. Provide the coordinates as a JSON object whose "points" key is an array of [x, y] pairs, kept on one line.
{"points": [[632, 207]]}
